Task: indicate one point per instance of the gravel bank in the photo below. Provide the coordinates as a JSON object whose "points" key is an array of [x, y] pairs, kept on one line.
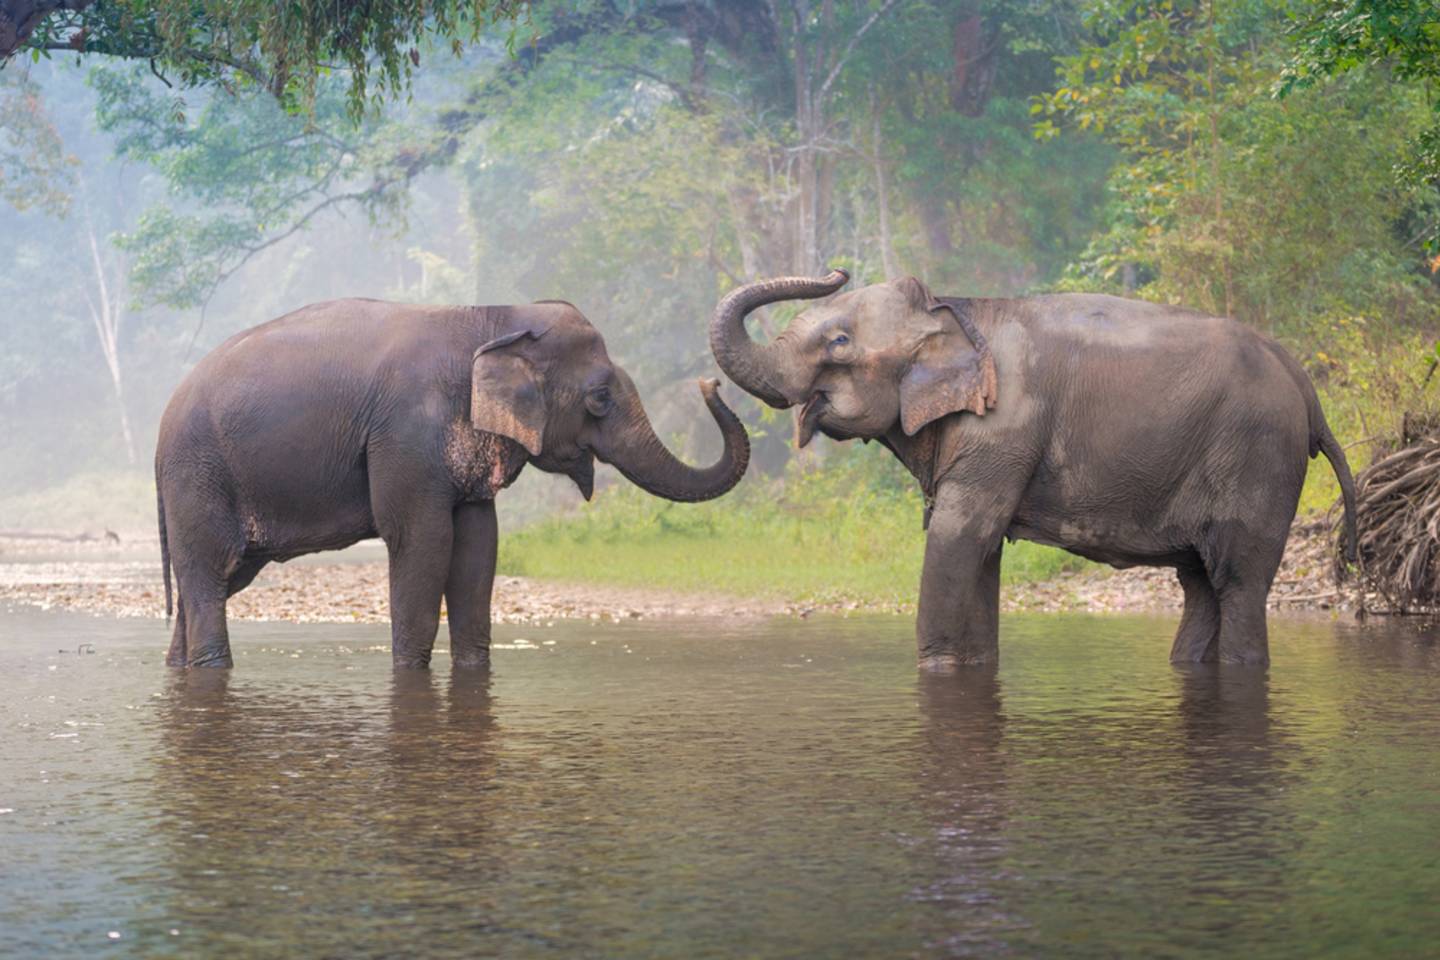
{"points": [[121, 580]]}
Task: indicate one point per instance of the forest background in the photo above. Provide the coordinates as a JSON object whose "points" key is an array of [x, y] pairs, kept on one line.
{"points": [[166, 182]]}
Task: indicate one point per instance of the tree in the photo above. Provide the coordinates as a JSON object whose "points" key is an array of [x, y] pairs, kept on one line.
{"points": [[1280, 212], [1340, 36], [282, 48]]}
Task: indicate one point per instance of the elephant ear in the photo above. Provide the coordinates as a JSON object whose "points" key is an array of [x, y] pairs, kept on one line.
{"points": [[507, 393], [952, 371]]}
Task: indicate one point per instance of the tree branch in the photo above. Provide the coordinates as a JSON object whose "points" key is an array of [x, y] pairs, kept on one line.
{"points": [[674, 87], [850, 47], [19, 18]]}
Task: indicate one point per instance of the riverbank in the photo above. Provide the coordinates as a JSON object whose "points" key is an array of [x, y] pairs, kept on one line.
{"points": [[123, 580]]}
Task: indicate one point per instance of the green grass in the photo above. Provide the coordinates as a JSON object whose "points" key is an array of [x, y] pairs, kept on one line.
{"points": [[849, 530]]}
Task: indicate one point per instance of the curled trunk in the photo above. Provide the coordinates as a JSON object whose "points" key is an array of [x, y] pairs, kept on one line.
{"points": [[647, 463], [746, 362]]}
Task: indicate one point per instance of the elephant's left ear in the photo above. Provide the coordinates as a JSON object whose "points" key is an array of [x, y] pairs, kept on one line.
{"points": [[507, 393], [952, 371]]}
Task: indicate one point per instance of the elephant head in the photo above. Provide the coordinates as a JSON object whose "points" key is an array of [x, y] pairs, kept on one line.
{"points": [[861, 362], [549, 386]]}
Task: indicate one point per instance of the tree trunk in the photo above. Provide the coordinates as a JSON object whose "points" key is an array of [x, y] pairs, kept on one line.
{"points": [[882, 194], [108, 314]]}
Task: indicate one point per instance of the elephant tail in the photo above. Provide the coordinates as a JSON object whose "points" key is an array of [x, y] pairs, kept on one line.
{"points": [[164, 550], [1336, 455], [1323, 441]]}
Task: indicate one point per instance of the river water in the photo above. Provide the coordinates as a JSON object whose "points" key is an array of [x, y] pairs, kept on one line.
{"points": [[773, 789]]}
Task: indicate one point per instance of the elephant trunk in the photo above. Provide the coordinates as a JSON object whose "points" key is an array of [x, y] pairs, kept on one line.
{"points": [[746, 362], [647, 463]]}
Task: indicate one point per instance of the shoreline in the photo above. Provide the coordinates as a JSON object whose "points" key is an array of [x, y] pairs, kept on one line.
{"points": [[123, 580]]}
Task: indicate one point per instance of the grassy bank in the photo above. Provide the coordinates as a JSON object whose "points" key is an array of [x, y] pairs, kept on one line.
{"points": [[848, 530]]}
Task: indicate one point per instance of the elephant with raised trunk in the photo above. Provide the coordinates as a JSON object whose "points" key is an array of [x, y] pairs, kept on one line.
{"points": [[357, 418], [1127, 432]]}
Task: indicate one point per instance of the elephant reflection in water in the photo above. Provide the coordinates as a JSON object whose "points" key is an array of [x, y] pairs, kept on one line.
{"points": [[292, 816], [1233, 795], [962, 780]]}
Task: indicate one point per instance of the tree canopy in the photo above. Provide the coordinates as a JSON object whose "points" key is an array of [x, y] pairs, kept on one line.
{"points": [[279, 47], [641, 158]]}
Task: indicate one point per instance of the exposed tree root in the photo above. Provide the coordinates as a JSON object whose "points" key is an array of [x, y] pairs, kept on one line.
{"points": [[1398, 505]]}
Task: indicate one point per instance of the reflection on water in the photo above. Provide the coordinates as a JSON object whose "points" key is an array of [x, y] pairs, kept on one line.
{"points": [[782, 789]]}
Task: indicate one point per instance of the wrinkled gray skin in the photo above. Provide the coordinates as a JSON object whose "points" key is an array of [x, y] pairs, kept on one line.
{"points": [[357, 418], [1127, 432]]}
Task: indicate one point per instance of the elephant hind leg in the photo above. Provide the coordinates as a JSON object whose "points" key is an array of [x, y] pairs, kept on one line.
{"points": [[207, 637], [176, 656], [1241, 571], [205, 572], [1198, 638]]}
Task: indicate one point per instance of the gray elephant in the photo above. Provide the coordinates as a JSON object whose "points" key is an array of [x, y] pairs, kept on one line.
{"points": [[357, 418], [1127, 432]]}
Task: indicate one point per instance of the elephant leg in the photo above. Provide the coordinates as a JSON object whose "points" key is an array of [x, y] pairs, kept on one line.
{"points": [[419, 547], [176, 655], [470, 582], [959, 616], [207, 636], [204, 559], [1197, 640], [1241, 574], [1244, 636]]}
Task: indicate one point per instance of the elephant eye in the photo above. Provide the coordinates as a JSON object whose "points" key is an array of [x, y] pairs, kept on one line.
{"points": [[599, 402], [840, 340]]}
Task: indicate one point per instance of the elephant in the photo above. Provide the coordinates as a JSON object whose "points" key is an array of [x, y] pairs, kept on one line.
{"points": [[1127, 432], [356, 418]]}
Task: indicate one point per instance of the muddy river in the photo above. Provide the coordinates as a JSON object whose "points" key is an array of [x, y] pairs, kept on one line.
{"points": [[782, 788]]}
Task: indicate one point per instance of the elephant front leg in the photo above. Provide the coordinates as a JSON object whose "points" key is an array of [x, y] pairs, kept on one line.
{"points": [[419, 550], [471, 582], [959, 616]]}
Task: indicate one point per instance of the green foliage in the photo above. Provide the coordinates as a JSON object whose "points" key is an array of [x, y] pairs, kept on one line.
{"points": [[849, 531], [35, 170], [250, 173], [284, 48], [1278, 212], [1335, 37]]}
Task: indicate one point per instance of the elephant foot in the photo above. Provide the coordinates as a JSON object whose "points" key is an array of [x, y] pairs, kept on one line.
{"points": [[411, 662], [471, 661], [221, 661]]}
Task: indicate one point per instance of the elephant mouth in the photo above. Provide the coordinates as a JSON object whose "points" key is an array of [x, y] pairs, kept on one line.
{"points": [[810, 416]]}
